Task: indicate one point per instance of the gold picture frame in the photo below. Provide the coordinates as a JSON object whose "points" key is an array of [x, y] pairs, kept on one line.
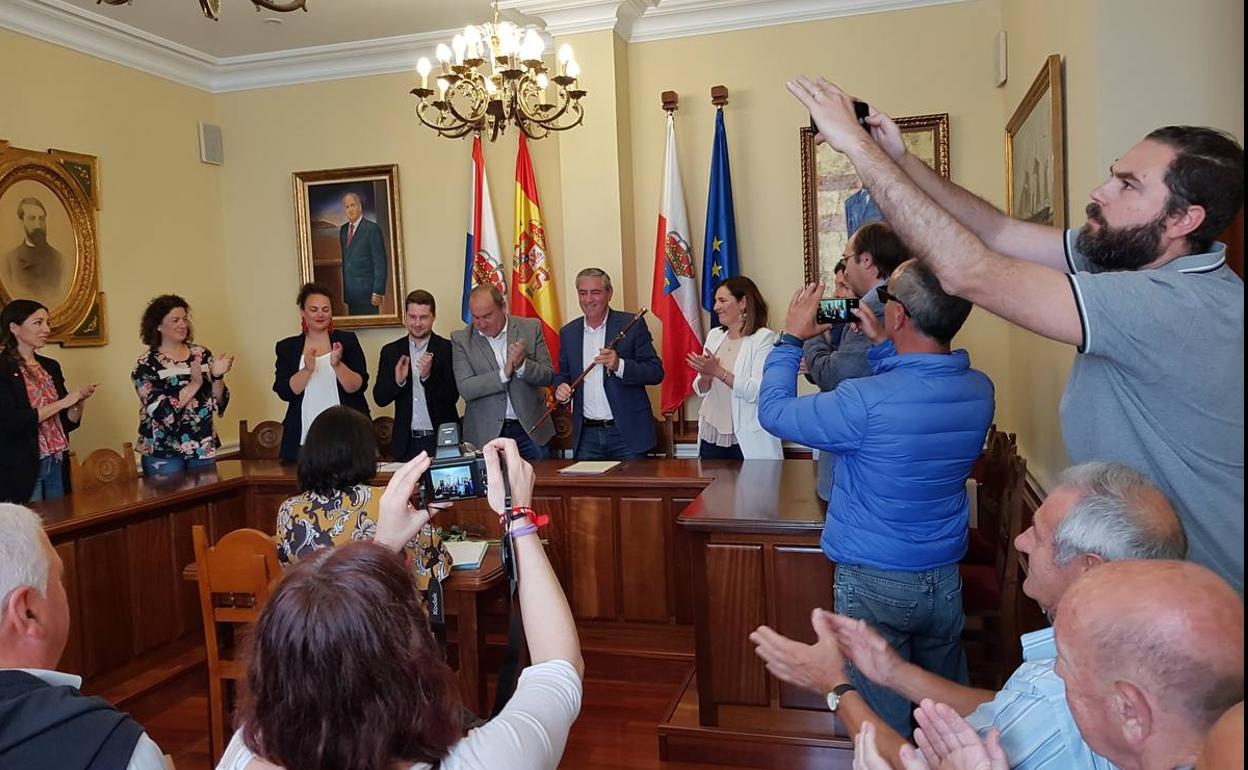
{"points": [[348, 263], [1035, 149], [49, 250], [830, 184]]}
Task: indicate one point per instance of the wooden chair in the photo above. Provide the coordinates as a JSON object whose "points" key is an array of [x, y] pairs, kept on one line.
{"points": [[562, 440], [234, 577], [664, 438], [384, 428], [103, 466], [263, 443]]}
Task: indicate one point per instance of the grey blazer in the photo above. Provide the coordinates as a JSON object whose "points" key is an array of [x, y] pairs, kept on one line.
{"points": [[484, 393]]}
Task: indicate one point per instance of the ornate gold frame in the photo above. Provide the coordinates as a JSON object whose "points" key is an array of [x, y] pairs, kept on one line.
{"points": [[79, 321], [303, 233], [937, 125], [1048, 80]]}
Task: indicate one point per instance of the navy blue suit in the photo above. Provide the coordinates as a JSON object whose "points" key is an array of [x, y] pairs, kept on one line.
{"points": [[630, 406], [364, 268]]}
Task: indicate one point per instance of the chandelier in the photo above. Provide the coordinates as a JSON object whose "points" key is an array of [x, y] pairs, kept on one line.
{"points": [[493, 75], [212, 8]]}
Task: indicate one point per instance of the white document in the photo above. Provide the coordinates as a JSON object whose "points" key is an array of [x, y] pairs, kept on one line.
{"points": [[466, 554], [320, 394], [590, 467], [389, 467]]}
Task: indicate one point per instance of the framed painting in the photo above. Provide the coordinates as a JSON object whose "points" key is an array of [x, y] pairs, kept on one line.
{"points": [[834, 202], [48, 241], [1035, 151], [351, 240]]}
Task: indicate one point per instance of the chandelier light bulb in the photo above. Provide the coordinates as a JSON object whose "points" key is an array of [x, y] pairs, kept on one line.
{"points": [[423, 67], [565, 54], [533, 45], [444, 53], [574, 69], [443, 84], [458, 44], [472, 34], [543, 82]]}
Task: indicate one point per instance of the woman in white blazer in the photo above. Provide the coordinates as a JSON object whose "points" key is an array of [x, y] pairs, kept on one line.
{"points": [[728, 375]]}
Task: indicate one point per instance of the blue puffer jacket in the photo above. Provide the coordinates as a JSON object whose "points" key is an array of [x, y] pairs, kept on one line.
{"points": [[907, 438]]}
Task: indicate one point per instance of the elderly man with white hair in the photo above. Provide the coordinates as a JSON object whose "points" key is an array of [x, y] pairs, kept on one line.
{"points": [[1097, 513], [45, 722]]}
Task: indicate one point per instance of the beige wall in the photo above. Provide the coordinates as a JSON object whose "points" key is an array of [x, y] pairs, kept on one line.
{"points": [[160, 221]]}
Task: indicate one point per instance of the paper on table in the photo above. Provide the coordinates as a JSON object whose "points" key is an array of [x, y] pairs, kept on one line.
{"points": [[590, 466], [319, 394], [466, 554], [389, 467]]}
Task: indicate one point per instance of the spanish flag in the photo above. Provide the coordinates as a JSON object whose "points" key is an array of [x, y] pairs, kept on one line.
{"points": [[532, 277]]}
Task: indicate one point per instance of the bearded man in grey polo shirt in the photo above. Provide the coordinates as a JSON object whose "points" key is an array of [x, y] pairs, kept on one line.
{"points": [[1142, 290]]}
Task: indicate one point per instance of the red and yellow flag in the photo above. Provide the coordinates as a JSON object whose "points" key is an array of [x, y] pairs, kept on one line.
{"points": [[532, 274]]}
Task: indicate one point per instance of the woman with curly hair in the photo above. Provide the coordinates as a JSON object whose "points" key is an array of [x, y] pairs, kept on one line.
{"points": [[180, 388]]}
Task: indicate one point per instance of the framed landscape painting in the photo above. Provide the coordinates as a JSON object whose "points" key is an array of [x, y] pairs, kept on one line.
{"points": [[1035, 153]]}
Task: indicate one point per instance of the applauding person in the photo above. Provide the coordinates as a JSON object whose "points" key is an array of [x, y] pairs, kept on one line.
{"points": [[36, 411], [180, 387], [316, 369]]}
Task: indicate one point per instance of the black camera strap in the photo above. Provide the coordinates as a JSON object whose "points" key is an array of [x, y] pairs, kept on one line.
{"points": [[510, 671]]}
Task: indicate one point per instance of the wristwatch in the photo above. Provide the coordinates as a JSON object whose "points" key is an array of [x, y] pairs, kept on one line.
{"points": [[790, 339], [838, 692]]}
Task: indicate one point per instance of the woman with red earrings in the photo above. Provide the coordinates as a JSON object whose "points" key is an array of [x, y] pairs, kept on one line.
{"points": [[316, 369]]}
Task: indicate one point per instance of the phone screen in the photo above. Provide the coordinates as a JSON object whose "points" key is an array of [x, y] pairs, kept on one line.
{"points": [[836, 311]]}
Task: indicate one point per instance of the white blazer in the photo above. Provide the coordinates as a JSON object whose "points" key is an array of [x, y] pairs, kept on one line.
{"points": [[747, 372]]}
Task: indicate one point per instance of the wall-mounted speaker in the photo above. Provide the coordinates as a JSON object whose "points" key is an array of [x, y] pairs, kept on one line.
{"points": [[210, 148], [1003, 67]]}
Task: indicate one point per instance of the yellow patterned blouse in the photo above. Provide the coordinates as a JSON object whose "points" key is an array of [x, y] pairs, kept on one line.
{"points": [[308, 522]]}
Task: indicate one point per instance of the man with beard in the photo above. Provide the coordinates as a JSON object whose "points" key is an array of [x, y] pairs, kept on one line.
{"points": [[34, 268], [1142, 290]]}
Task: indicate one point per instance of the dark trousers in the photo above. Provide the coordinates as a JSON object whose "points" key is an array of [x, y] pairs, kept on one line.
{"points": [[529, 449], [709, 451], [603, 443], [416, 445]]}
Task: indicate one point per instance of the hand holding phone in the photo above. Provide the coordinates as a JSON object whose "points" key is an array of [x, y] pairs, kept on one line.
{"points": [[836, 311], [861, 111]]}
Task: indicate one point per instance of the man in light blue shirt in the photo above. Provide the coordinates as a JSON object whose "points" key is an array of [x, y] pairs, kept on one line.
{"points": [[1099, 512]]}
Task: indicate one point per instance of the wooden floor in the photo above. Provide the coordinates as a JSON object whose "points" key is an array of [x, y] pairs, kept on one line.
{"points": [[624, 701]]}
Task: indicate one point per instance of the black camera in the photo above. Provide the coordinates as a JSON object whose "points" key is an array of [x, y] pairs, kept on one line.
{"points": [[836, 311], [457, 471]]}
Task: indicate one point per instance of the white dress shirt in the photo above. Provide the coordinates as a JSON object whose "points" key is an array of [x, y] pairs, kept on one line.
{"points": [[420, 402], [499, 345], [596, 406], [147, 755]]}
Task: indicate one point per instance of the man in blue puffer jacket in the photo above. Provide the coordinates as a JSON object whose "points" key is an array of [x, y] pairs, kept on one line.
{"points": [[907, 438]]}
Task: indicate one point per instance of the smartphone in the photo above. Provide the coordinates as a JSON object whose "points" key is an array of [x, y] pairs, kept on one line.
{"points": [[836, 311], [861, 111]]}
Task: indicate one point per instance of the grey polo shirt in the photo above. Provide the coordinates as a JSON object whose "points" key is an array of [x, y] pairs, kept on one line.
{"points": [[1159, 385]]}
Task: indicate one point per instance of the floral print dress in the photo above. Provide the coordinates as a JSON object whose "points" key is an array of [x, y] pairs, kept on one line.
{"points": [[167, 427]]}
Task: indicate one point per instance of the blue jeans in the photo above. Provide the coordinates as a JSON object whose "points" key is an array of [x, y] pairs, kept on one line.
{"points": [[51, 480], [604, 444], [529, 449], [164, 466], [919, 613]]}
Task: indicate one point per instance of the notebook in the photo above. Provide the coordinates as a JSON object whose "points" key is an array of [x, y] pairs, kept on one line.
{"points": [[590, 467], [466, 554]]}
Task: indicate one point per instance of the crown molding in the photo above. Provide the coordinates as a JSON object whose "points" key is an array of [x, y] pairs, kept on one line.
{"points": [[63, 24]]}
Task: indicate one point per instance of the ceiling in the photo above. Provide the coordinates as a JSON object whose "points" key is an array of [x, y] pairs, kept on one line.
{"points": [[242, 30]]}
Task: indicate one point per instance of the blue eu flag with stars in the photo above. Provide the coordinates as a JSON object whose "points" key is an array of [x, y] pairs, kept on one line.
{"points": [[719, 250]]}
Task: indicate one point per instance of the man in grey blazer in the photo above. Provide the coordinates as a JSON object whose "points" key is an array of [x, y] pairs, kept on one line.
{"points": [[501, 365]]}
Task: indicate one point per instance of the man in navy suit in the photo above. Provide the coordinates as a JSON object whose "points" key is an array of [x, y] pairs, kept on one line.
{"points": [[611, 412], [363, 260]]}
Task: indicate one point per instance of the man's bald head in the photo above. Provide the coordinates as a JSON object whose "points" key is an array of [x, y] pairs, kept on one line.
{"points": [[1152, 653]]}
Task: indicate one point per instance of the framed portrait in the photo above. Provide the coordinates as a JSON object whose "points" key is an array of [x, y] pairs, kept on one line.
{"points": [[351, 240], [48, 246], [834, 202], [1035, 151]]}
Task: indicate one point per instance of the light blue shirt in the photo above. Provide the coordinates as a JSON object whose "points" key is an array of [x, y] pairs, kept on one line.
{"points": [[1037, 729]]}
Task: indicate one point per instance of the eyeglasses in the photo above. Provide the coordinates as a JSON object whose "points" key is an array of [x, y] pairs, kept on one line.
{"points": [[884, 297]]}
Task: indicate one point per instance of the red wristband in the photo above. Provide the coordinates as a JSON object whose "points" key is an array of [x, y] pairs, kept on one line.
{"points": [[520, 512]]}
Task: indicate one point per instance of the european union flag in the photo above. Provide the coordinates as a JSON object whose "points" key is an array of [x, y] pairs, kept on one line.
{"points": [[719, 250]]}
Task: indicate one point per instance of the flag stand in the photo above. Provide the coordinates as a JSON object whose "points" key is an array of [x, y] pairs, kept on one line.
{"points": [[719, 96]]}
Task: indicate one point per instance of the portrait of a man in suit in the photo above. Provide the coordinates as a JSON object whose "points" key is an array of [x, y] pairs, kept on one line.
{"points": [[363, 260], [32, 267]]}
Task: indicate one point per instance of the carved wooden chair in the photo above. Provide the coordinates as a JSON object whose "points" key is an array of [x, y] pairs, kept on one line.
{"points": [[263, 443], [235, 577], [103, 466], [384, 428]]}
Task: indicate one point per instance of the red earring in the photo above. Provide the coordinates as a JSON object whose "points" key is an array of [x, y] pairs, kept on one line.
{"points": [[303, 326]]}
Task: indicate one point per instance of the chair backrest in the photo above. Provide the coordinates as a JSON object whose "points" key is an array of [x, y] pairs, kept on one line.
{"points": [[384, 428], [1010, 567], [263, 443], [664, 437], [562, 420], [235, 577], [103, 466]]}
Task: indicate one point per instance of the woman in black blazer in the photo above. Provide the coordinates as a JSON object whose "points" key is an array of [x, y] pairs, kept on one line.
{"points": [[36, 411], [299, 357]]}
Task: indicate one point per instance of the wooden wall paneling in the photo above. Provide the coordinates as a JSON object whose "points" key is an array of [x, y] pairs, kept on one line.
{"points": [[802, 582], [644, 559], [593, 564], [262, 508], [189, 617], [104, 585], [153, 583], [557, 535], [681, 559], [734, 575], [226, 515], [71, 658]]}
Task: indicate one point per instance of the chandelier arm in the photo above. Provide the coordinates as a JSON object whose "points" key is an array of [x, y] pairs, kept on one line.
{"points": [[480, 106], [439, 126]]}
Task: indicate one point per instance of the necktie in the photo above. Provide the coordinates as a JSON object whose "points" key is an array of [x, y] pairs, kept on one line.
{"points": [[350, 234]]}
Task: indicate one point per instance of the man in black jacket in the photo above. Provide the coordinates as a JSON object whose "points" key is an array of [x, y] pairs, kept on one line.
{"points": [[424, 358]]}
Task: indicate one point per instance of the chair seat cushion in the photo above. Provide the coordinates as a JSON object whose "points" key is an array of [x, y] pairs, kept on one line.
{"points": [[981, 589]]}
